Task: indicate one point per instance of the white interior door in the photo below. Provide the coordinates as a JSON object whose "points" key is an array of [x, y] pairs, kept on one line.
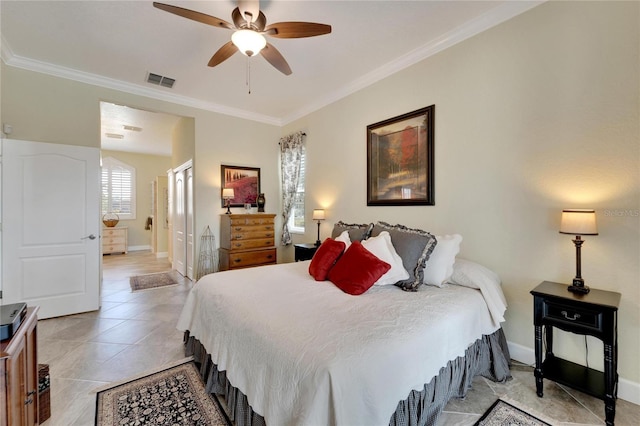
{"points": [[51, 227], [179, 224]]}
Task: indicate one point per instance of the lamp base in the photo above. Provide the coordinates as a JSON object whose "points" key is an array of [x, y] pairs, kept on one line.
{"points": [[578, 287]]}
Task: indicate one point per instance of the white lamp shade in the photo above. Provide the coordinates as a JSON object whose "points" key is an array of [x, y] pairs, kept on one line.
{"points": [[318, 214], [227, 193], [248, 42], [578, 222]]}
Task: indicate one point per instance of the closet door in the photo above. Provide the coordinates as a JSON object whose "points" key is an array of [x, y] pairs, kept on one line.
{"points": [[179, 224]]}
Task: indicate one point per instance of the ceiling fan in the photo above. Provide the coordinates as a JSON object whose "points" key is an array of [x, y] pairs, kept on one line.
{"points": [[250, 27]]}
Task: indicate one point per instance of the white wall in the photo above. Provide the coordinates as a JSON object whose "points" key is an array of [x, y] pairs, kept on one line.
{"points": [[535, 115]]}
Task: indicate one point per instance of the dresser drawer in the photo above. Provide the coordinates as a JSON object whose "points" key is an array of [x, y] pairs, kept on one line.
{"points": [[114, 232], [251, 235], [252, 258], [252, 228], [115, 248], [252, 244], [251, 220], [561, 315], [113, 240]]}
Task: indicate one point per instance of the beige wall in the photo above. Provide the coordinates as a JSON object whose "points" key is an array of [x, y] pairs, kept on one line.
{"points": [[535, 115], [148, 167], [44, 108]]}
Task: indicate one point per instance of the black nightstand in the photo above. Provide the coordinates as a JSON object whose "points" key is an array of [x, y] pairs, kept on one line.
{"points": [[304, 251], [594, 314]]}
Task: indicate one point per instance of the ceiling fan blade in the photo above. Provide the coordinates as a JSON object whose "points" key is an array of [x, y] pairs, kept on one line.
{"points": [[297, 29], [273, 56], [193, 15], [224, 53]]}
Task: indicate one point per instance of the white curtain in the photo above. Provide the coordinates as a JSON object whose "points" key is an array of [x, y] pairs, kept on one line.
{"points": [[291, 152]]}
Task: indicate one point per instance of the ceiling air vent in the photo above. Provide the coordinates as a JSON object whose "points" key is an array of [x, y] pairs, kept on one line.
{"points": [[160, 80]]}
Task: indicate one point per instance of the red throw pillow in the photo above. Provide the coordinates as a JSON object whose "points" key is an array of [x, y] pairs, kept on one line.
{"points": [[357, 270], [324, 258]]}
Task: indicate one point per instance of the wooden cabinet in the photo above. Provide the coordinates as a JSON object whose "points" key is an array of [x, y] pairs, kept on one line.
{"points": [[19, 374], [114, 240], [247, 240]]}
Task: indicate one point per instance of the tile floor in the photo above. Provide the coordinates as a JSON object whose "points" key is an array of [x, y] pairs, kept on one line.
{"points": [[134, 333]]}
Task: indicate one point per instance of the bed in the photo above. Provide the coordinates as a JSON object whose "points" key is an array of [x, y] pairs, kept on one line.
{"points": [[285, 349]]}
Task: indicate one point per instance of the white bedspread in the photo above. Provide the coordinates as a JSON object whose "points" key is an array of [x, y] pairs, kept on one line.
{"points": [[305, 353]]}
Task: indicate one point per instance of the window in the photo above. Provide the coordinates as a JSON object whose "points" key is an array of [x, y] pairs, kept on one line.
{"points": [[118, 188], [296, 220]]}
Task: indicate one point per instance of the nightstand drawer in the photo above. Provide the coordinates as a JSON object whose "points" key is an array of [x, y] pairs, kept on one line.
{"points": [[563, 314]]}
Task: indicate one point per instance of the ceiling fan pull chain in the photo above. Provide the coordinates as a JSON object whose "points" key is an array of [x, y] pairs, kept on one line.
{"points": [[248, 82]]}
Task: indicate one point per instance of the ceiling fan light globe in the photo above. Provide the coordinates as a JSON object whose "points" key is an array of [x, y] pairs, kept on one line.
{"points": [[248, 42]]}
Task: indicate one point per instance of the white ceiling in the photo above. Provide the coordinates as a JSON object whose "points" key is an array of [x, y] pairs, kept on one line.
{"points": [[117, 43]]}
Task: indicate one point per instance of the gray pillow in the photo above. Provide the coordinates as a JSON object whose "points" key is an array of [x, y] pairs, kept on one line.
{"points": [[357, 232], [414, 246]]}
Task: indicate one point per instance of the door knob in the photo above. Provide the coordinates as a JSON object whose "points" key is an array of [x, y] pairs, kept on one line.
{"points": [[91, 237]]}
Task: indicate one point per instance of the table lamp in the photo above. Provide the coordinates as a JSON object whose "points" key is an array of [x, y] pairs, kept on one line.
{"points": [[227, 195], [318, 214], [578, 222]]}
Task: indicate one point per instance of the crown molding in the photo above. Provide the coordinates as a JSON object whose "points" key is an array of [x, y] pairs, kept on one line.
{"points": [[502, 13], [496, 16], [17, 61]]}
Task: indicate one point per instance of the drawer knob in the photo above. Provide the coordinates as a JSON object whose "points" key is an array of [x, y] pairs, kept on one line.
{"points": [[270, 256], [237, 260], [566, 316]]}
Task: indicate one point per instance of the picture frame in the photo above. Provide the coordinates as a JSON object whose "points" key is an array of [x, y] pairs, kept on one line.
{"points": [[400, 160], [245, 182]]}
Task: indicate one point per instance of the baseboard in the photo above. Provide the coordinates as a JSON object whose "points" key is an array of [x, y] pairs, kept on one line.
{"points": [[162, 254], [139, 248], [627, 390]]}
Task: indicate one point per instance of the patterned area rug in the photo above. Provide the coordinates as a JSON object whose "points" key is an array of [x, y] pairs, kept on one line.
{"points": [[161, 279], [175, 396], [502, 413]]}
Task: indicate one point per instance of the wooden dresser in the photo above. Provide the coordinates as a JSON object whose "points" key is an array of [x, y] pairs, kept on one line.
{"points": [[19, 374], [114, 240], [247, 240]]}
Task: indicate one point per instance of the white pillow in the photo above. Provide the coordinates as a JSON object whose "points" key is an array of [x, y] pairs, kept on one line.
{"points": [[470, 274], [383, 249], [439, 267], [344, 237]]}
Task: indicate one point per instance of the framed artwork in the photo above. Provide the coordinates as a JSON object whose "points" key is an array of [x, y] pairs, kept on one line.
{"points": [[400, 160], [245, 182]]}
